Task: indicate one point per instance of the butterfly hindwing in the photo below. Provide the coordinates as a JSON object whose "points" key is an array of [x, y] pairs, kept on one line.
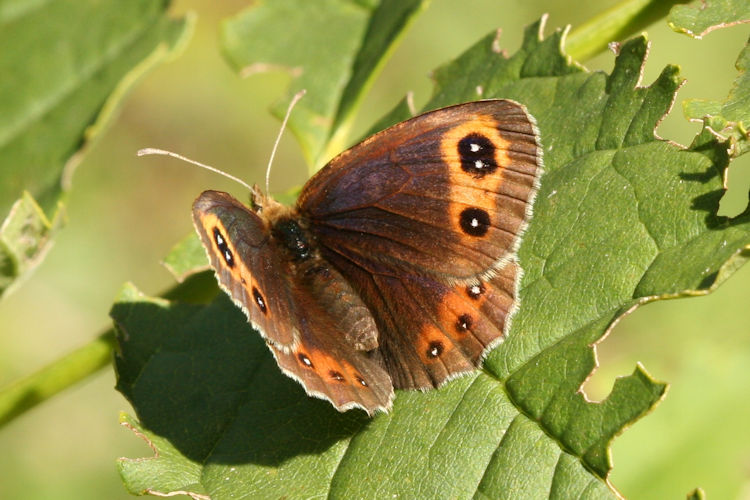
{"points": [[431, 331], [331, 361]]}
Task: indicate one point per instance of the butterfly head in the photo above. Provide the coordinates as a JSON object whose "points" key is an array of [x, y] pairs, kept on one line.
{"points": [[257, 199], [264, 205]]}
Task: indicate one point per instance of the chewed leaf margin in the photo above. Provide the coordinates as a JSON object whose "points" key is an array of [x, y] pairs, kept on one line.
{"points": [[702, 17]]}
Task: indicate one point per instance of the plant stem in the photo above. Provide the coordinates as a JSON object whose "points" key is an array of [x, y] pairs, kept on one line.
{"points": [[24, 394], [614, 24]]}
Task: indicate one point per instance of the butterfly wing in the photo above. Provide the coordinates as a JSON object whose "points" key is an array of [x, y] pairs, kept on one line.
{"points": [[424, 219], [237, 242], [329, 361], [446, 193], [430, 331], [316, 326]]}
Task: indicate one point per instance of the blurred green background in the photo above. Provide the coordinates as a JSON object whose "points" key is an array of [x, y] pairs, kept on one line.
{"points": [[125, 213]]}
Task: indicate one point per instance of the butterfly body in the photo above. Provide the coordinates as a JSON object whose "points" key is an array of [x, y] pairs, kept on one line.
{"points": [[397, 266]]}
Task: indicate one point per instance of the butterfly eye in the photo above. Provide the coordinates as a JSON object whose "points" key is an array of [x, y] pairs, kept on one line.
{"points": [[475, 221], [221, 244], [477, 155]]}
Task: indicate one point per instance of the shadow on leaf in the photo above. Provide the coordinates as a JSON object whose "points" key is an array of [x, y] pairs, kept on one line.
{"points": [[710, 200], [199, 376]]}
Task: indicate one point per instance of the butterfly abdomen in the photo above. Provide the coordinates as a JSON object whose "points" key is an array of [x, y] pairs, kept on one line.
{"points": [[314, 277]]}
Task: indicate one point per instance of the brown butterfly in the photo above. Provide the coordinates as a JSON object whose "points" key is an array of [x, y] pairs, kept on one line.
{"points": [[397, 266]]}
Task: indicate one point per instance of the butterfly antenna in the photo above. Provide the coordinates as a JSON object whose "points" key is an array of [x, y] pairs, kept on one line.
{"points": [[155, 151], [294, 101]]}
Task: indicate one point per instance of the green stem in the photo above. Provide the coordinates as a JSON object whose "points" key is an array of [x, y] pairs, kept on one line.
{"points": [[614, 24], [24, 394]]}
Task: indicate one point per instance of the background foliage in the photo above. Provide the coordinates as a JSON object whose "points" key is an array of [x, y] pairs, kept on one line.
{"points": [[700, 346]]}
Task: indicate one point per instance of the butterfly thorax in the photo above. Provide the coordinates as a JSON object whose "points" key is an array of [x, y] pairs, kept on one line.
{"points": [[285, 226], [314, 278], [282, 222], [293, 238]]}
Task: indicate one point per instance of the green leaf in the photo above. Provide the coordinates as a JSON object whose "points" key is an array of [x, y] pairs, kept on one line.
{"points": [[700, 18], [186, 257], [24, 239], [357, 35], [622, 218], [229, 407], [160, 469], [65, 66], [728, 120]]}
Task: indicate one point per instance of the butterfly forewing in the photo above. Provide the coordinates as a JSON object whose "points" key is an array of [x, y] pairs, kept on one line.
{"points": [[316, 326], [425, 219], [445, 194], [238, 246]]}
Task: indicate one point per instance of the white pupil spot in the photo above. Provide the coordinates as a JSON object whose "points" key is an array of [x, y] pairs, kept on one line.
{"points": [[475, 289], [474, 223], [434, 351], [306, 360], [474, 147], [219, 239], [362, 381], [260, 302], [228, 255], [479, 164]]}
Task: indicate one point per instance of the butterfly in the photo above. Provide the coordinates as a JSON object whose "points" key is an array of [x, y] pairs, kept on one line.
{"points": [[397, 267]]}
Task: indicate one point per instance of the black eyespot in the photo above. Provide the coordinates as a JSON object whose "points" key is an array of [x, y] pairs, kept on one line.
{"points": [[475, 221], [475, 291], [464, 323], [305, 360], [435, 349], [221, 244], [259, 300], [337, 376], [361, 381], [477, 155]]}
